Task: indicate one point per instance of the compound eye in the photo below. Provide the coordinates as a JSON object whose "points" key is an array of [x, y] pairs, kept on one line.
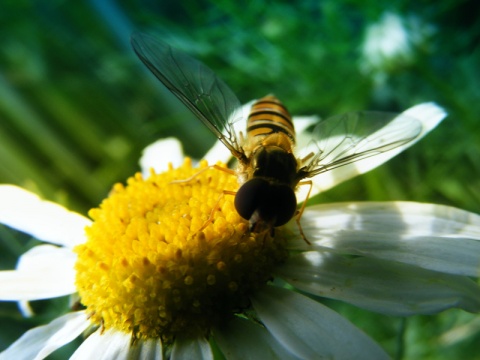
{"points": [[250, 196], [286, 204]]}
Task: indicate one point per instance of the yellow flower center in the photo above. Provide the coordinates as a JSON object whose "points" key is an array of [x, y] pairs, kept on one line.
{"points": [[146, 268]]}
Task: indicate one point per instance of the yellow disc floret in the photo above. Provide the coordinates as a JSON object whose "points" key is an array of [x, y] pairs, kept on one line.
{"points": [[169, 255]]}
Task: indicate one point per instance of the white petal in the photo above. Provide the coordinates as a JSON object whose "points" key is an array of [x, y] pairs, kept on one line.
{"points": [[41, 341], [301, 124], [429, 115], [402, 217], [115, 345], [434, 237], [44, 220], [219, 152], [158, 155], [108, 345], [243, 339], [25, 308], [191, 349], [43, 272], [379, 285], [311, 330], [150, 349]]}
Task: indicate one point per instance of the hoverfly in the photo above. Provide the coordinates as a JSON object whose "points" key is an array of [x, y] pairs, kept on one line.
{"points": [[268, 170]]}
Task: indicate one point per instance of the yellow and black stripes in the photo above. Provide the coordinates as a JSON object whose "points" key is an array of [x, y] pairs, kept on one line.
{"points": [[269, 116]]}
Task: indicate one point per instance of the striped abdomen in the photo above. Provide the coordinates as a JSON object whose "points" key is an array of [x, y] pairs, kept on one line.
{"points": [[269, 116]]}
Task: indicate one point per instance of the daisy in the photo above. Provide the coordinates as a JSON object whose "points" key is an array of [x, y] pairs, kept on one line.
{"points": [[392, 43], [387, 41], [153, 285]]}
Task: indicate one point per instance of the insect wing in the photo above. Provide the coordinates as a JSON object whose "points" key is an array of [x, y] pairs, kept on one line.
{"points": [[196, 85], [344, 139]]}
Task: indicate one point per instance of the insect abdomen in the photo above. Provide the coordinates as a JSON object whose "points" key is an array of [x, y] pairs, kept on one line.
{"points": [[269, 116]]}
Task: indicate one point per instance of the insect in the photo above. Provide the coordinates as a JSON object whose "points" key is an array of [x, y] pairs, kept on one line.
{"points": [[268, 170]]}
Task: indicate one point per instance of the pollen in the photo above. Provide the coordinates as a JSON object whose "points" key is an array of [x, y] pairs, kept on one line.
{"points": [[169, 255]]}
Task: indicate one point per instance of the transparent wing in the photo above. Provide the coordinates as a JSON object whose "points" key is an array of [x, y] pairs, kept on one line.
{"points": [[196, 85], [344, 139]]}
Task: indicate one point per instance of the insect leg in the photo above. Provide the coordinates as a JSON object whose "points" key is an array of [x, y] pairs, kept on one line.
{"points": [[212, 213], [224, 192], [300, 212], [306, 158], [216, 167]]}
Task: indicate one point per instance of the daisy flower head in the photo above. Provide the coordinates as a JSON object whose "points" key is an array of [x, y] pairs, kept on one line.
{"points": [[391, 44], [386, 41], [166, 268]]}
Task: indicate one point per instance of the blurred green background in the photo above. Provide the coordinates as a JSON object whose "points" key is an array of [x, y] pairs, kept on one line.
{"points": [[77, 108]]}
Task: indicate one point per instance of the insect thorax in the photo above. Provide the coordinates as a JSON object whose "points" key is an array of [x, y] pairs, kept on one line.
{"points": [[274, 163]]}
